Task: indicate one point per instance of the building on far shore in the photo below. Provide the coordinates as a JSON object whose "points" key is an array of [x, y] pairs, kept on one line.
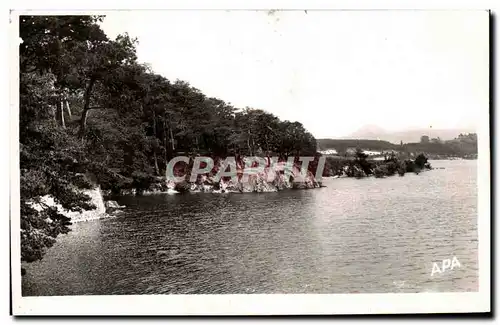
{"points": [[329, 152], [352, 151], [372, 153]]}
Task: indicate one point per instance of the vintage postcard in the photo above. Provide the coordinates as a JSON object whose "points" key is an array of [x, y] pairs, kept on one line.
{"points": [[250, 162]]}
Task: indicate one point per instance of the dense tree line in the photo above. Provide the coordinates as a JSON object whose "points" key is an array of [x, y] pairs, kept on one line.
{"points": [[88, 107], [341, 145]]}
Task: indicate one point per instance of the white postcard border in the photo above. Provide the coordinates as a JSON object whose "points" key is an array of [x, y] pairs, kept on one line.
{"points": [[271, 304]]}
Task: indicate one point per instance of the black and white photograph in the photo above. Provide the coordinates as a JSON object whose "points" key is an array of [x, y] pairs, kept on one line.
{"points": [[218, 159]]}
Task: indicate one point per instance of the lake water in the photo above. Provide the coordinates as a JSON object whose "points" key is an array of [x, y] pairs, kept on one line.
{"points": [[368, 236]]}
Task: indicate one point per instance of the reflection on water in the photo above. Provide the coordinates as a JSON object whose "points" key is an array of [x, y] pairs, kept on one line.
{"points": [[368, 236]]}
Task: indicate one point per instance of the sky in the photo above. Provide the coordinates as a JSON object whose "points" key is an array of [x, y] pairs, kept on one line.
{"points": [[333, 71]]}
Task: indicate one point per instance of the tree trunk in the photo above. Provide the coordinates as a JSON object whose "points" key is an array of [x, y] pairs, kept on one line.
{"points": [[83, 122], [157, 170], [166, 150], [86, 107], [172, 138], [68, 110], [248, 144], [54, 112], [165, 143], [61, 112]]}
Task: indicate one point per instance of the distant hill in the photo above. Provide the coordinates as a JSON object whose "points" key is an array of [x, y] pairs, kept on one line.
{"points": [[368, 132], [373, 132], [459, 146], [341, 145]]}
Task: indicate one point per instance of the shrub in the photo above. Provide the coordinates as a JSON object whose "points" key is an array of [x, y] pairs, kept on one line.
{"points": [[421, 161], [391, 168], [380, 171], [182, 187], [142, 181], [410, 166]]}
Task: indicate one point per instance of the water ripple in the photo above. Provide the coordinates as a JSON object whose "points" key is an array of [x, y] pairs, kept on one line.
{"points": [[370, 235]]}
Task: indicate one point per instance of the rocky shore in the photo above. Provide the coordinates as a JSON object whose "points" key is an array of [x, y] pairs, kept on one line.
{"points": [[103, 209], [271, 179], [276, 176]]}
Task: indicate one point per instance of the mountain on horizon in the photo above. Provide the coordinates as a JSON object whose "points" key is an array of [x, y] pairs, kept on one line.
{"points": [[374, 132], [368, 132]]}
